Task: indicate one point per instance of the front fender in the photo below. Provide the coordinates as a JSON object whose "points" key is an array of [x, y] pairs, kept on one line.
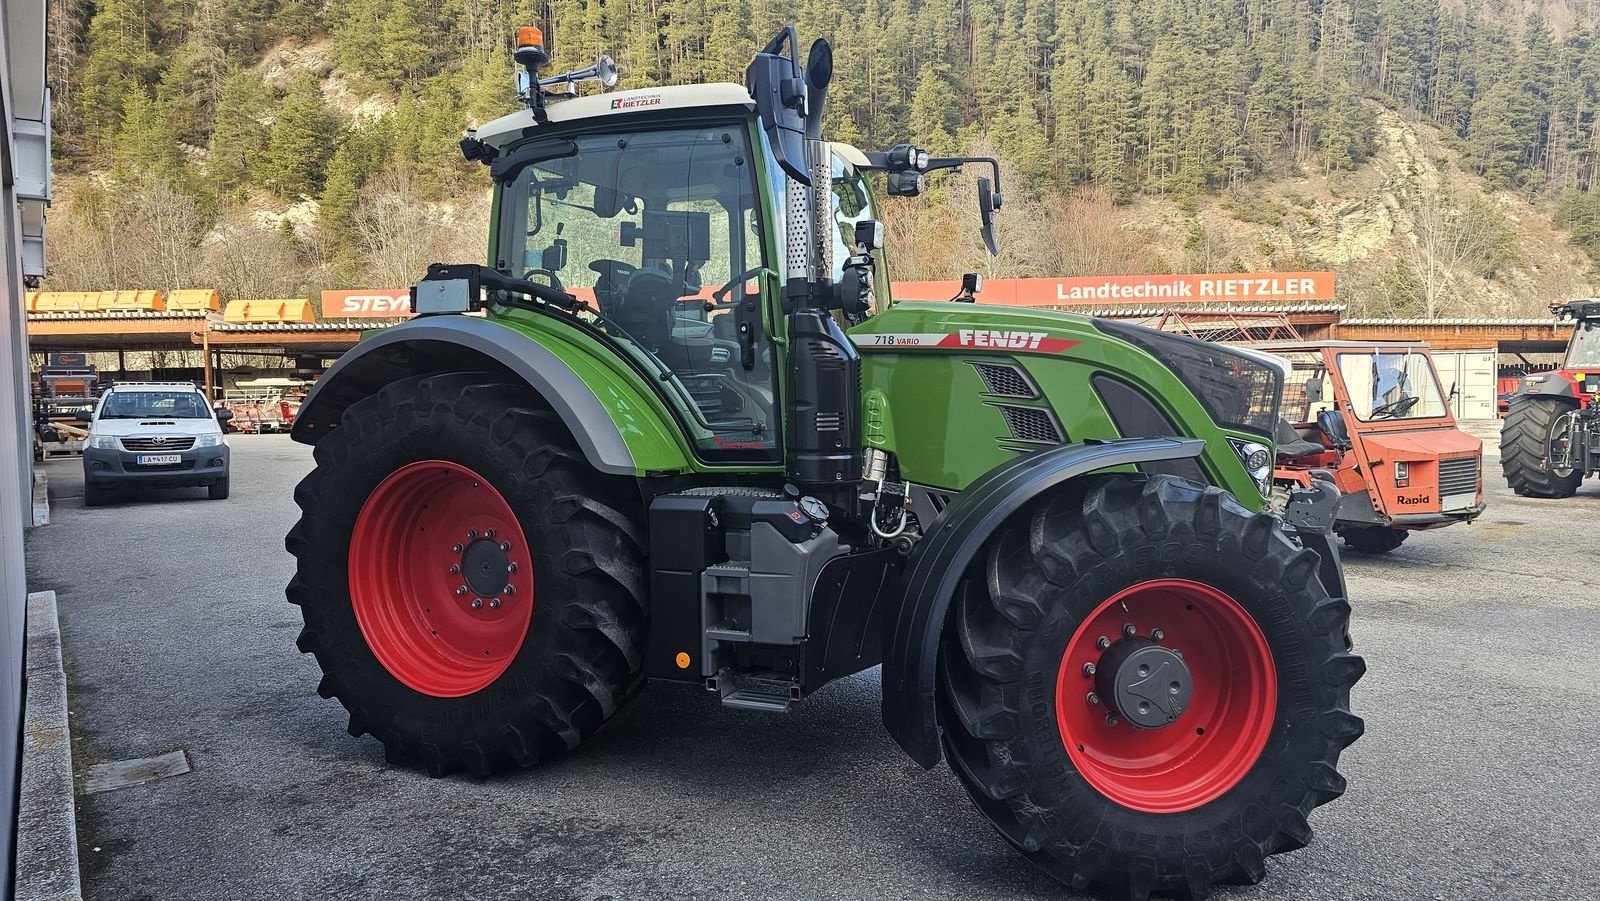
{"points": [[616, 426], [941, 558]]}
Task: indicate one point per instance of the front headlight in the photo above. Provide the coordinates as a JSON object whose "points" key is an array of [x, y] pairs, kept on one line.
{"points": [[1257, 460], [103, 442], [208, 441]]}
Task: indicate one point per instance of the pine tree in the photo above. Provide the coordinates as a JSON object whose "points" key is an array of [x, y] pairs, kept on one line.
{"points": [[238, 132], [301, 142]]}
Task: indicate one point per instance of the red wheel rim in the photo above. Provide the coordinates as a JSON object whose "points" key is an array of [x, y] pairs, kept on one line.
{"points": [[440, 578], [1215, 740]]}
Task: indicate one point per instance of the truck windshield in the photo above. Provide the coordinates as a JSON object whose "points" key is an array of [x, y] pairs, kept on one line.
{"points": [[661, 232], [1584, 352], [155, 405], [1391, 384]]}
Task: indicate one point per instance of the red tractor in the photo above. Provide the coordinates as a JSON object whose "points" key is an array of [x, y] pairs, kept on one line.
{"points": [[1551, 438]]}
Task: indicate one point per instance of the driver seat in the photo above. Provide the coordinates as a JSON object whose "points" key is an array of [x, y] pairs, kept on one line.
{"points": [[1290, 445], [1331, 424]]}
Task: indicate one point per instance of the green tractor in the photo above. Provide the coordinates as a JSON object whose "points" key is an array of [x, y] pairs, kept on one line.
{"points": [[678, 431]]}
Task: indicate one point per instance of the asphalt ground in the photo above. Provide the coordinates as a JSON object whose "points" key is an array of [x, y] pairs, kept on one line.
{"points": [[1476, 778]]}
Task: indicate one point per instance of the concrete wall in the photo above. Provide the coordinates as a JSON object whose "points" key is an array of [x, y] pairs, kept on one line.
{"points": [[24, 193]]}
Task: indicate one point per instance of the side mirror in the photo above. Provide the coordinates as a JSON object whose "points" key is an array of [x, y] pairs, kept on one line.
{"points": [[83, 415], [1453, 391], [1314, 390], [779, 89], [986, 208], [224, 414]]}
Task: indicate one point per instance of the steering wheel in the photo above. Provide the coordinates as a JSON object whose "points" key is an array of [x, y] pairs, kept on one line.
{"points": [[555, 280], [1395, 408], [722, 292]]}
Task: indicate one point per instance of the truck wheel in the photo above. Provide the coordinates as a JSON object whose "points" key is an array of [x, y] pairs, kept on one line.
{"points": [[1146, 688], [1373, 539], [218, 490], [1531, 430], [471, 588], [95, 496]]}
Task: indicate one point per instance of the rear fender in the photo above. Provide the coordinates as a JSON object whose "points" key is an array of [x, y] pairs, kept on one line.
{"points": [[623, 435], [941, 558]]}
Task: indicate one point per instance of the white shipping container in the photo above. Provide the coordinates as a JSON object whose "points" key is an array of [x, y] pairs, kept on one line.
{"points": [[1474, 375]]}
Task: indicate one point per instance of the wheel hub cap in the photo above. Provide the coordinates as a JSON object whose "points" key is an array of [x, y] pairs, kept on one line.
{"points": [[1144, 683], [485, 567]]}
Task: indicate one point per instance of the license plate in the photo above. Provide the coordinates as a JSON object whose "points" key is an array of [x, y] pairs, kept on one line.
{"points": [[1459, 501], [158, 459]]}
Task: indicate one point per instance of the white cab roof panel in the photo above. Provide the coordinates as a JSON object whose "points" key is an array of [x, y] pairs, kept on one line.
{"points": [[506, 129]]}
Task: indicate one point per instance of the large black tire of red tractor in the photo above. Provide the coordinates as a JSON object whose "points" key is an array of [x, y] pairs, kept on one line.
{"points": [[1525, 449], [1051, 567], [1373, 539], [582, 657]]}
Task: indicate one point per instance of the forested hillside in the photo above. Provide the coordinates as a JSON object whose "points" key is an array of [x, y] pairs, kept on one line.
{"points": [[1142, 133]]}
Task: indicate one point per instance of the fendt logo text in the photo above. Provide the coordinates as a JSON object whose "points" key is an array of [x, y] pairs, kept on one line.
{"points": [[1010, 340]]}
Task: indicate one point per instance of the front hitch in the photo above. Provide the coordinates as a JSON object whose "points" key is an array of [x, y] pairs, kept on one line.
{"points": [[1311, 513]]}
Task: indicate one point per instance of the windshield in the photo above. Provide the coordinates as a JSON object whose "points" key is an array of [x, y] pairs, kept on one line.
{"points": [[1391, 384], [660, 231], [1584, 352], [155, 405]]}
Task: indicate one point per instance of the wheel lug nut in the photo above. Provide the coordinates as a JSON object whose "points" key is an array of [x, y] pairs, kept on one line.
{"points": [[1157, 634], [1088, 669], [511, 567], [1102, 642], [1111, 719], [1092, 699], [455, 568], [1128, 629], [471, 534], [476, 603], [456, 548], [509, 590], [488, 533], [461, 591], [494, 603], [505, 545]]}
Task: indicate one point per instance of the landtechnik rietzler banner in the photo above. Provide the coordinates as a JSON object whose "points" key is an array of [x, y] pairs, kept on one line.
{"points": [[1247, 287]]}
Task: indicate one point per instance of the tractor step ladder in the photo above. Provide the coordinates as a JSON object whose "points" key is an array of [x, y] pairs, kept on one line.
{"points": [[766, 694]]}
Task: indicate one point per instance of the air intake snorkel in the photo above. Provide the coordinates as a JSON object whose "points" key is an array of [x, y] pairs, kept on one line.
{"points": [[824, 433]]}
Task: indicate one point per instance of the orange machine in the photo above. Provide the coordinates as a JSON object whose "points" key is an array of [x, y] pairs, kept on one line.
{"points": [[1375, 416]]}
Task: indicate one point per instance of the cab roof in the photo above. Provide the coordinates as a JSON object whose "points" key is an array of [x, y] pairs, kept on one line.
{"points": [[508, 129]]}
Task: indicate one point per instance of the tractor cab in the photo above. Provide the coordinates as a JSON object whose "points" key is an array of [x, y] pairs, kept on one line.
{"points": [[1376, 416]]}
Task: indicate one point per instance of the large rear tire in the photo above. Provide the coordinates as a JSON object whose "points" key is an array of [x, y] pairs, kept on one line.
{"points": [[1525, 448], [472, 589], [1225, 607]]}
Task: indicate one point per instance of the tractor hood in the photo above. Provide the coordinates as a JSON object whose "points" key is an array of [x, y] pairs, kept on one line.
{"points": [[1419, 444], [955, 389]]}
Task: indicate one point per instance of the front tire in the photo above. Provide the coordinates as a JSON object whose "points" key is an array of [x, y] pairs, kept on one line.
{"points": [[1235, 620], [544, 644], [218, 490], [95, 496], [1526, 438], [1373, 539]]}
